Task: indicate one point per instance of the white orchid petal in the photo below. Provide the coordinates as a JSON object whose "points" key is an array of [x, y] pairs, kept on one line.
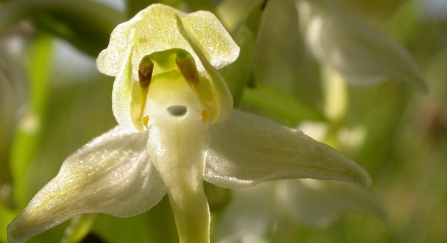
{"points": [[246, 150], [111, 175], [177, 144], [156, 30], [363, 55], [122, 92], [319, 203]]}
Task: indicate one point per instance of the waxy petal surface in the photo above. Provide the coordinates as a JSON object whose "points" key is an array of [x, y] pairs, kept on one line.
{"points": [[111, 175], [156, 30], [246, 150], [122, 93]]}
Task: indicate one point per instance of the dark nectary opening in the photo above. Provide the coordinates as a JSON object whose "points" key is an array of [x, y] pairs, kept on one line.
{"points": [[177, 110]]}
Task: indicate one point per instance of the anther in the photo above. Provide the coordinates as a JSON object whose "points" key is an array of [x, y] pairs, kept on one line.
{"points": [[145, 71], [139, 94], [187, 66]]}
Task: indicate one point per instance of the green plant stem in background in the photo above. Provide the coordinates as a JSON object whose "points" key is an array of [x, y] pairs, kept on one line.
{"points": [[80, 226], [27, 138], [13, 95], [335, 103], [281, 104]]}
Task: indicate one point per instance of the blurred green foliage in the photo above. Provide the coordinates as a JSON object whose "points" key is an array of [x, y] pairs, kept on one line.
{"points": [[51, 106]]}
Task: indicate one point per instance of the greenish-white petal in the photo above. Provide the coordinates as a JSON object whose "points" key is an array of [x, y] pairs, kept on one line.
{"points": [[156, 30], [112, 175], [178, 140], [122, 92], [319, 203], [363, 55], [246, 150]]}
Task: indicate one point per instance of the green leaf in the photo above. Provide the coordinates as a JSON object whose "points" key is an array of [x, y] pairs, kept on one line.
{"points": [[85, 24], [281, 104], [239, 74]]}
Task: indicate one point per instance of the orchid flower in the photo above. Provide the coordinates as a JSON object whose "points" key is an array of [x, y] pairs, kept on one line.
{"points": [[362, 54], [176, 127]]}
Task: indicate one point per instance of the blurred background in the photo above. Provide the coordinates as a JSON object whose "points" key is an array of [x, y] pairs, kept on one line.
{"points": [[53, 101]]}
